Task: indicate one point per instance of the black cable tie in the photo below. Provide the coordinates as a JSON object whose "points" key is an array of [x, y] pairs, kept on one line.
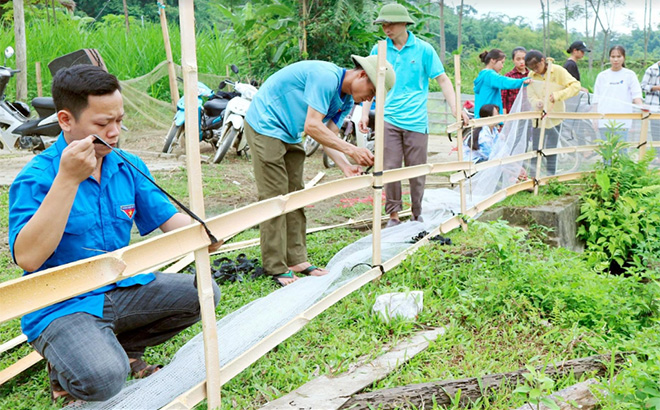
{"points": [[382, 269], [540, 151], [536, 181], [378, 173], [449, 135], [182, 206], [646, 117], [642, 144], [377, 186]]}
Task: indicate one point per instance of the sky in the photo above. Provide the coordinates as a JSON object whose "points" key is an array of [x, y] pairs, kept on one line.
{"points": [[530, 10]]}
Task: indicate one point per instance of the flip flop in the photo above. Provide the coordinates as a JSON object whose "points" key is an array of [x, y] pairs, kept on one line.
{"points": [[289, 275], [308, 270], [140, 369]]}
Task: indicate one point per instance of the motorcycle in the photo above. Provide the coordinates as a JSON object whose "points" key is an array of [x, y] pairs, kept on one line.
{"points": [[350, 132], [17, 130], [231, 134]]}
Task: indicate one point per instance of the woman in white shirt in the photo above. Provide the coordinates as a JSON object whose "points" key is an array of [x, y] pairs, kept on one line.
{"points": [[616, 89]]}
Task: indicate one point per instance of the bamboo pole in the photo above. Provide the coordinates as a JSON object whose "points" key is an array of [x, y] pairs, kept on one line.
{"points": [[174, 90], [544, 120], [378, 158], [204, 279], [643, 136], [37, 69], [459, 137], [21, 50]]}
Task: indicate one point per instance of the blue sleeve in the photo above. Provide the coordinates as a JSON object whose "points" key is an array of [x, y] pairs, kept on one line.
{"points": [[26, 194], [320, 87], [504, 83], [374, 50], [152, 207], [432, 63]]}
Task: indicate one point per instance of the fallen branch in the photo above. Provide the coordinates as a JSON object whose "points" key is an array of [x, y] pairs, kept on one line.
{"points": [[425, 395], [577, 396]]}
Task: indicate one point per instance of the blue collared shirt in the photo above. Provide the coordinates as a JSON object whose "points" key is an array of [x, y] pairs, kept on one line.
{"points": [[414, 65], [280, 107], [100, 221]]}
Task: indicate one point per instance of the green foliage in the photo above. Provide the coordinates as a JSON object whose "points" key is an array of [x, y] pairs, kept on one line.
{"points": [[620, 217], [537, 385]]}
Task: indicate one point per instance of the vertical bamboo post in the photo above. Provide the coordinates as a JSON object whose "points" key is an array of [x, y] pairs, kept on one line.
{"points": [[21, 50], [378, 158], [204, 281], [643, 136], [37, 69], [544, 120], [128, 29], [174, 90], [459, 139]]}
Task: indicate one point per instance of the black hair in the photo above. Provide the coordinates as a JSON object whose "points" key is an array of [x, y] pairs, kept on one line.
{"points": [[517, 49], [533, 56], [494, 54], [72, 86], [622, 51], [486, 110]]}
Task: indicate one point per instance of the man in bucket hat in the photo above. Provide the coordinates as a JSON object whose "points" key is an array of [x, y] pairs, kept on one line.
{"points": [[406, 119], [309, 96]]}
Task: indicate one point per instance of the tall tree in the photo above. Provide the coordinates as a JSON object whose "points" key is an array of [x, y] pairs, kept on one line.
{"points": [[545, 29], [460, 27]]}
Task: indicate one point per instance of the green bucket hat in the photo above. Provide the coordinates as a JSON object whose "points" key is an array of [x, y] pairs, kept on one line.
{"points": [[370, 66], [393, 13]]}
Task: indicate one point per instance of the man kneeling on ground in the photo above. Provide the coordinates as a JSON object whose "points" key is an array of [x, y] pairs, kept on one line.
{"points": [[76, 200]]}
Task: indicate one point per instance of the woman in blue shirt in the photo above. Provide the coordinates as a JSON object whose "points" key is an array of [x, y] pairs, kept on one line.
{"points": [[489, 82]]}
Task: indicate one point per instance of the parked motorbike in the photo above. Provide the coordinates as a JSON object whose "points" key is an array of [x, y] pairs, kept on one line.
{"points": [[350, 132], [17, 130], [231, 134]]}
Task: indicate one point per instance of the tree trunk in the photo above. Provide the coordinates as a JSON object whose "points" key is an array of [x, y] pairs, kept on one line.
{"points": [[593, 34], [427, 395], [303, 25], [647, 28], [128, 29], [545, 33], [566, 20], [54, 15], [443, 43], [21, 50], [460, 28], [575, 396]]}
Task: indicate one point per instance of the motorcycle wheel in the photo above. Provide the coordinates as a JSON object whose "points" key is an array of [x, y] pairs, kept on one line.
{"points": [[226, 141], [174, 135], [310, 145]]}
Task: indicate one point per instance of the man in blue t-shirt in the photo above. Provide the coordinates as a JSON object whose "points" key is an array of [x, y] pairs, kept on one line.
{"points": [[314, 97], [77, 200], [406, 119]]}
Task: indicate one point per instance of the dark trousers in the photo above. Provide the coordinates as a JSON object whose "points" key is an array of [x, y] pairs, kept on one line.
{"points": [[551, 140], [410, 148], [89, 355]]}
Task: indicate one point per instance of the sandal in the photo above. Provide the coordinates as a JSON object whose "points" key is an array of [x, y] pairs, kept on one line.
{"points": [[288, 275], [64, 399], [308, 270], [140, 369]]}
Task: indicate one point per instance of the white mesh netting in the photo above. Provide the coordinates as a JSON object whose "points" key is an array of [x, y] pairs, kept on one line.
{"points": [[242, 329]]}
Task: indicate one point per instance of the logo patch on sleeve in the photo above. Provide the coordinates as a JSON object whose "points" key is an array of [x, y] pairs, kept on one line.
{"points": [[129, 210]]}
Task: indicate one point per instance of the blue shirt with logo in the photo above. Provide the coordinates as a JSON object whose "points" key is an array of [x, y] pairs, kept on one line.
{"points": [[100, 221], [414, 65], [280, 107]]}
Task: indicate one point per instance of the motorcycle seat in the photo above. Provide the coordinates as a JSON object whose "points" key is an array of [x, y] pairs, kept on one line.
{"points": [[215, 107], [44, 102]]}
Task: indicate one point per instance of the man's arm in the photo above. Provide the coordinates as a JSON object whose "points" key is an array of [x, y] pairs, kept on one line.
{"points": [[450, 95], [315, 128], [41, 235]]}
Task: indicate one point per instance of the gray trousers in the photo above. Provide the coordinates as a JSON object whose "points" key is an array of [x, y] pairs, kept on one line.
{"points": [[90, 354], [410, 148], [278, 170]]}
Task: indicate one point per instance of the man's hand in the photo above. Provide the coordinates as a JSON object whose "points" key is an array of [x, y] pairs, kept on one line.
{"points": [[551, 98], [352, 170], [363, 125], [362, 156], [466, 118], [78, 160]]}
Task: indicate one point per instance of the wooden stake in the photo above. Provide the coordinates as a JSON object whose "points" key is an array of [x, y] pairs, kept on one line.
{"points": [[544, 120], [378, 158], [459, 136], [37, 69], [174, 90], [204, 280], [643, 136], [21, 51], [128, 29]]}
